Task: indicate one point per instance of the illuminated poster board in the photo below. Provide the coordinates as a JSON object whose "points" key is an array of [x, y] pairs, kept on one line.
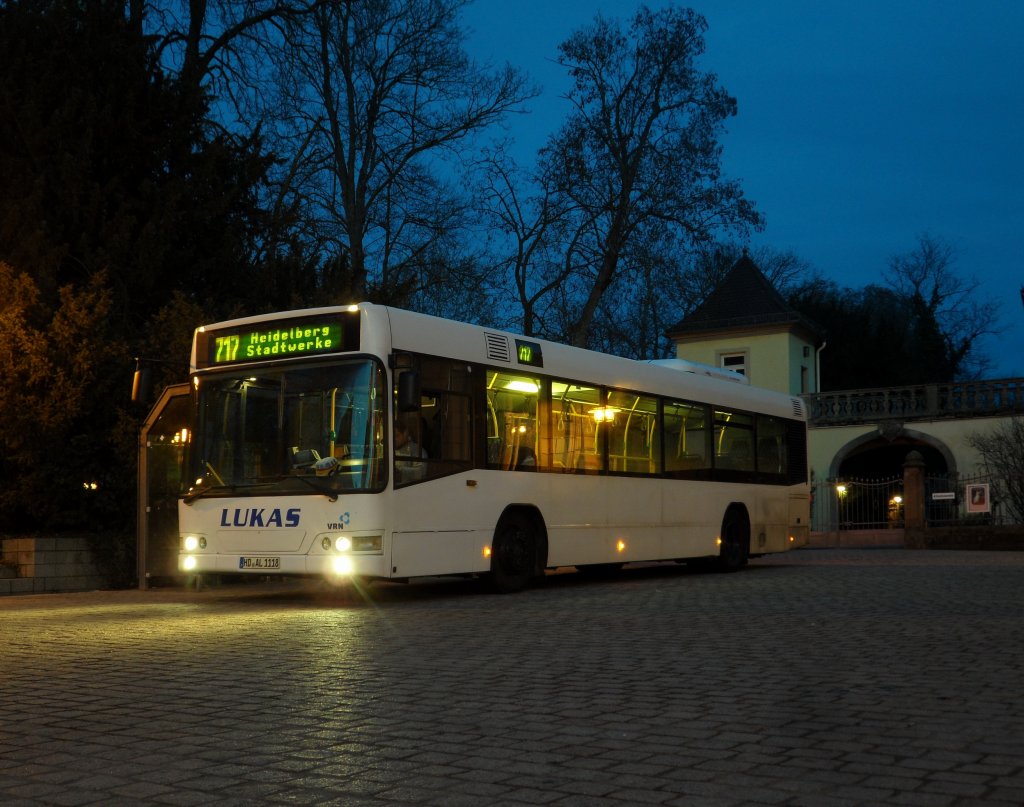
{"points": [[978, 500], [278, 339]]}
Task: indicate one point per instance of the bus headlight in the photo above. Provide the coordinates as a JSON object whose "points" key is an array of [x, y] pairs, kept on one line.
{"points": [[190, 543], [189, 563], [346, 544], [342, 565]]}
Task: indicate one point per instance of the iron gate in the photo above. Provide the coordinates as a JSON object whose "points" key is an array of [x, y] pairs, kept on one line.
{"points": [[857, 504]]}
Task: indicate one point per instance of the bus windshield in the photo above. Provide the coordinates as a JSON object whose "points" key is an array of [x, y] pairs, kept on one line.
{"points": [[287, 429]]}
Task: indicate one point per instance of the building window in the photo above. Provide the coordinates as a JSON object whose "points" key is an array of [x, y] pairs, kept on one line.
{"points": [[737, 362]]}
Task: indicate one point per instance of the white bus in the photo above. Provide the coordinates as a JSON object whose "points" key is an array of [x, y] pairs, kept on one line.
{"points": [[370, 442]]}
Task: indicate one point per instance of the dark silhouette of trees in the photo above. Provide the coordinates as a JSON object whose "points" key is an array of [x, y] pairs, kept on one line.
{"points": [[952, 315], [108, 165], [119, 199], [922, 327]]}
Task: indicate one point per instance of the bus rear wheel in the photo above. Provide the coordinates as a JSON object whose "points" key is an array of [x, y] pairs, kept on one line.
{"points": [[513, 553], [735, 541]]}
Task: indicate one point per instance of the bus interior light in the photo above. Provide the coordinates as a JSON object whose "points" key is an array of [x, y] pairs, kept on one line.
{"points": [[522, 386]]}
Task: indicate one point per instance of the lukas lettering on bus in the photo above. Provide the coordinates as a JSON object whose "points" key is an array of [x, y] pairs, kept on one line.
{"points": [[260, 517]]}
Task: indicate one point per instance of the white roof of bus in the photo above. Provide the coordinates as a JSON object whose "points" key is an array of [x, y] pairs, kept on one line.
{"points": [[423, 333], [440, 337]]}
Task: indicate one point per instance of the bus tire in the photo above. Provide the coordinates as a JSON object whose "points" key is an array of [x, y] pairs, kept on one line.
{"points": [[735, 535], [514, 552]]}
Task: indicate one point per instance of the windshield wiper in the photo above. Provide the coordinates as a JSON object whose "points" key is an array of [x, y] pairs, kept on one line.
{"points": [[327, 490], [196, 492], [330, 492], [192, 495]]}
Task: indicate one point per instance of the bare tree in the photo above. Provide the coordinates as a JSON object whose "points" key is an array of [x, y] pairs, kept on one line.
{"points": [[527, 226], [218, 46], [946, 302], [1002, 452], [376, 93], [640, 148]]}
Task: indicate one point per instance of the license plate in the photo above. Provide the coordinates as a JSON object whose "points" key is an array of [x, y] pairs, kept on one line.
{"points": [[259, 563]]}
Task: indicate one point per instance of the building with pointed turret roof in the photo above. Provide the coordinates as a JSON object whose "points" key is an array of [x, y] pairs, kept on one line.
{"points": [[746, 326], [859, 440]]}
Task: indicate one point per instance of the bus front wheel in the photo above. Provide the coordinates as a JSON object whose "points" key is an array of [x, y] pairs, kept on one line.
{"points": [[513, 553]]}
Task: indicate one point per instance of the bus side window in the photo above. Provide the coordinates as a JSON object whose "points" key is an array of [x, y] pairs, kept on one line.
{"points": [[577, 411], [686, 438], [512, 434], [633, 444], [734, 434], [771, 445], [442, 426]]}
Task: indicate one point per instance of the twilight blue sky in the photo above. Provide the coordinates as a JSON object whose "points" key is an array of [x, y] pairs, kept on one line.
{"points": [[860, 125]]}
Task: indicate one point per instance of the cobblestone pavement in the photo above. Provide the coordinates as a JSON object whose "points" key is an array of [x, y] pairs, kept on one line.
{"points": [[823, 677]]}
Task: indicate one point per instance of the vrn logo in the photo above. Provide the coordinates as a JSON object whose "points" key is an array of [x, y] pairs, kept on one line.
{"points": [[341, 523], [260, 517]]}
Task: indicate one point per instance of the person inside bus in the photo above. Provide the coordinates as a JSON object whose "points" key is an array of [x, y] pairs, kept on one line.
{"points": [[526, 460], [405, 446]]}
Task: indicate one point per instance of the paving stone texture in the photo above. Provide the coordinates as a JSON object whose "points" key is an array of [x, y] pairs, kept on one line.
{"points": [[823, 677]]}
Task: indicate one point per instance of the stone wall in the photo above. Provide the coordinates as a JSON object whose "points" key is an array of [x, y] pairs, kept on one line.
{"points": [[856, 539], [48, 563], [968, 537]]}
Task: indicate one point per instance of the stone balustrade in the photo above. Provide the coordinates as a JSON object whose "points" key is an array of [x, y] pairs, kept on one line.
{"points": [[920, 402]]}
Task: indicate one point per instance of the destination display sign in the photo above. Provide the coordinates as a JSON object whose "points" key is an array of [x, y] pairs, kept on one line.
{"points": [[282, 339], [529, 353]]}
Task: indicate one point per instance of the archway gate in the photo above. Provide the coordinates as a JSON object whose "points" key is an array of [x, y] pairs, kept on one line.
{"points": [[857, 504]]}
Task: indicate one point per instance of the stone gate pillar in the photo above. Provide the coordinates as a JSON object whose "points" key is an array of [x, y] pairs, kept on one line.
{"points": [[913, 501]]}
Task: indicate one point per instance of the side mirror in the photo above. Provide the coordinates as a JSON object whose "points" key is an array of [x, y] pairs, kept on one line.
{"points": [[409, 391]]}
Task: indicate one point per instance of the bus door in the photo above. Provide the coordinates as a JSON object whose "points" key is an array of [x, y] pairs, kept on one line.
{"points": [[162, 441]]}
